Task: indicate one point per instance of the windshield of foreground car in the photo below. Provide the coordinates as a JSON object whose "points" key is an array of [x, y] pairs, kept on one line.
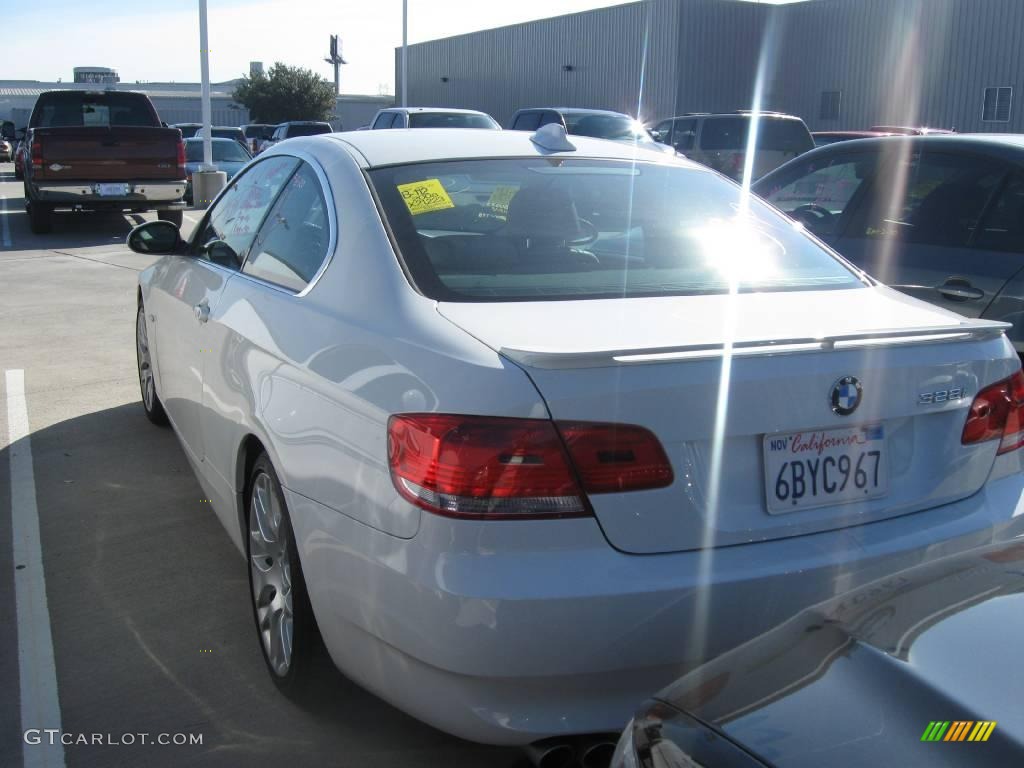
{"points": [[533, 228], [227, 151], [449, 120]]}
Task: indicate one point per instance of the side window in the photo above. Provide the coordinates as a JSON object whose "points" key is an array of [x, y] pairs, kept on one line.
{"points": [[1003, 227], [231, 225], [684, 135], [292, 244], [929, 199], [547, 118], [818, 193], [399, 121], [663, 129], [384, 120], [528, 121]]}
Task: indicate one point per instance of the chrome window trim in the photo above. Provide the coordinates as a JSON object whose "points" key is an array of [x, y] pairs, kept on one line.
{"points": [[332, 225]]}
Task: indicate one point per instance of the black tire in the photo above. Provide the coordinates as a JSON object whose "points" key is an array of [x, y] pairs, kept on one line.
{"points": [[175, 216], [40, 218], [151, 405], [307, 658]]}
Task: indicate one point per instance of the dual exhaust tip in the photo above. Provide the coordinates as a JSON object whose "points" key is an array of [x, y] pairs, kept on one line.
{"points": [[573, 752]]}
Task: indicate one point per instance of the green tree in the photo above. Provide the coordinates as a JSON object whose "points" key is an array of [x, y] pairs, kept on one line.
{"points": [[286, 93]]}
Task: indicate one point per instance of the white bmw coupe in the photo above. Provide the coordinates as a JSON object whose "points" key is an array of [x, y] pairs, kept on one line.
{"points": [[525, 426]]}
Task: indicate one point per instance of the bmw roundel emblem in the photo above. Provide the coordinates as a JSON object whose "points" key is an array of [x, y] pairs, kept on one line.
{"points": [[846, 395]]}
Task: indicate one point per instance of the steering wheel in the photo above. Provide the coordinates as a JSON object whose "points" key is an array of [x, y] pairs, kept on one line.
{"points": [[591, 234], [813, 215]]}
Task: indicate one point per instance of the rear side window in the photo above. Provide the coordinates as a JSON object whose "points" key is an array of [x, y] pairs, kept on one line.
{"points": [[528, 121], [231, 225], [773, 134], [1003, 228], [384, 120], [930, 199], [530, 230], [93, 109], [292, 244], [818, 193], [449, 120]]}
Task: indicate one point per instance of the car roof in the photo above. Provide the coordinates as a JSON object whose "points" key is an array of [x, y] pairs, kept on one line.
{"points": [[446, 110], [200, 139], [574, 111], [394, 147], [302, 122]]}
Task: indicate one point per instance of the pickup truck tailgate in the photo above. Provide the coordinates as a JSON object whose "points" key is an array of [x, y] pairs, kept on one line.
{"points": [[115, 153]]}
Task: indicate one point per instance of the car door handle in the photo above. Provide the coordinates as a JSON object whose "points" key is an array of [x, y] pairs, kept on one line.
{"points": [[960, 291], [202, 311]]}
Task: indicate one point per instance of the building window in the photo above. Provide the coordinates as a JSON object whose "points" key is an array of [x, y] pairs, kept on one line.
{"points": [[830, 101], [997, 105]]}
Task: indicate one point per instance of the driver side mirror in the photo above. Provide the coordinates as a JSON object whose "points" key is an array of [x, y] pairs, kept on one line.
{"points": [[155, 237]]}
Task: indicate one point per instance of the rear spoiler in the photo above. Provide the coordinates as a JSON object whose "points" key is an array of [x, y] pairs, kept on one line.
{"points": [[966, 330]]}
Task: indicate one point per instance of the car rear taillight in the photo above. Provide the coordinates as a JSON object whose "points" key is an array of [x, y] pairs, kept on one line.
{"points": [[616, 457], [998, 413], [181, 157], [510, 469], [37, 153]]}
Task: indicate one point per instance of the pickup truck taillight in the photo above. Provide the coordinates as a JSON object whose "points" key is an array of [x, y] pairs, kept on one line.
{"points": [[37, 154], [181, 157]]}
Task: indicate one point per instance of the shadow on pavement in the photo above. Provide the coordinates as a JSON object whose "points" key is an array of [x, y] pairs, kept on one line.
{"points": [[152, 627], [71, 229]]}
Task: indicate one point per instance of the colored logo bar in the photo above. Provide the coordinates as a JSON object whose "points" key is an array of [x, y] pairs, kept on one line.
{"points": [[958, 730]]}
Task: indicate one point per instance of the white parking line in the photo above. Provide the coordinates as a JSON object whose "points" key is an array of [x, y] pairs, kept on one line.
{"points": [[4, 224], [194, 221], [40, 706]]}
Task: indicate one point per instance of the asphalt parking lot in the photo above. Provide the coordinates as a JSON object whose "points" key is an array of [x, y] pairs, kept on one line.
{"points": [[148, 607]]}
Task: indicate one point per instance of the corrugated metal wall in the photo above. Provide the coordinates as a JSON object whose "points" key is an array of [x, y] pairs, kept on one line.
{"points": [[895, 61], [917, 62]]}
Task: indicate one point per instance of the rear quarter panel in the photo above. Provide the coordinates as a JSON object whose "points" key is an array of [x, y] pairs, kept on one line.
{"points": [[316, 377]]}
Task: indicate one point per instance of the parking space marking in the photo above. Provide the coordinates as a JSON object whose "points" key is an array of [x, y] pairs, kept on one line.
{"points": [[40, 705], [194, 221], [4, 224]]}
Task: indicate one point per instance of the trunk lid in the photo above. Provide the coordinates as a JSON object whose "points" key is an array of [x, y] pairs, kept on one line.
{"points": [[105, 154], [657, 363]]}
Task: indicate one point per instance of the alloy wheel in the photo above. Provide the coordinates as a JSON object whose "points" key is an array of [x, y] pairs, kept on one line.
{"points": [[270, 566]]}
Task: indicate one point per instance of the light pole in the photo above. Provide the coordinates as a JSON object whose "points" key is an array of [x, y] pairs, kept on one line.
{"points": [[208, 181], [204, 70], [405, 52]]}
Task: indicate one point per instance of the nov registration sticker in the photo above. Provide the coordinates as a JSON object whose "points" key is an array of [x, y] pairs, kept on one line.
{"points": [[824, 467]]}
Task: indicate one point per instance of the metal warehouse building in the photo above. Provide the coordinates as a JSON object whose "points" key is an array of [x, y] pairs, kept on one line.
{"points": [[839, 64]]}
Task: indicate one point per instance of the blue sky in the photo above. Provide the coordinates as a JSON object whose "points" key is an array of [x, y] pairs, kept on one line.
{"points": [[158, 41]]}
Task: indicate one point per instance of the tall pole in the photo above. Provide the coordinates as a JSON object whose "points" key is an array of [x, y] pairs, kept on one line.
{"points": [[204, 69], [405, 52]]}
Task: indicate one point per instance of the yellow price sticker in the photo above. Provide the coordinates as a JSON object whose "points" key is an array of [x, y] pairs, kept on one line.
{"points": [[500, 198], [425, 196]]}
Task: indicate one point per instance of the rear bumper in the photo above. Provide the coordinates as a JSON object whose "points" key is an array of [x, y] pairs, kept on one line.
{"points": [[87, 193], [510, 632]]}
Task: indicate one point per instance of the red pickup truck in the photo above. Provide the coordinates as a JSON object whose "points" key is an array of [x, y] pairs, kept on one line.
{"points": [[101, 150]]}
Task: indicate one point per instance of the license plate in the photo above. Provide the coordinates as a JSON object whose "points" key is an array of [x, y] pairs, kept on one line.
{"points": [[112, 190], [833, 466]]}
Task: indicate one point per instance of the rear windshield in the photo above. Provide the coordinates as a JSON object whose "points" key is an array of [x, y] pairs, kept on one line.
{"points": [[307, 130], [773, 134], [449, 120], [224, 151], [614, 127], [57, 110], [547, 229], [187, 131], [227, 133], [258, 131]]}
